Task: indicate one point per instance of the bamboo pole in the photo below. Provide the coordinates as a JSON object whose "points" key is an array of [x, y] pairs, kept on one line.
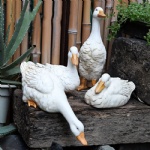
{"points": [[102, 21], [17, 16], [113, 20], [97, 3], [24, 43], [64, 32], [78, 42], [73, 20], [36, 36], [86, 24], [133, 1], [56, 32], [109, 6], [46, 31], [10, 15]]}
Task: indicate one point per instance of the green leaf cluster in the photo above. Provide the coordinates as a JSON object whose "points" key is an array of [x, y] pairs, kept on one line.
{"points": [[133, 12], [7, 49]]}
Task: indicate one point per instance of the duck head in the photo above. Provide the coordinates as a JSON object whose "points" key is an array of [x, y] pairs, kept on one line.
{"points": [[99, 12], [103, 82], [78, 130], [73, 54]]}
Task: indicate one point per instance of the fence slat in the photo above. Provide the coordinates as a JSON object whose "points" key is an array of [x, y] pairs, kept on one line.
{"points": [[79, 25], [17, 16], [86, 24], [73, 18], [46, 31], [56, 32]]}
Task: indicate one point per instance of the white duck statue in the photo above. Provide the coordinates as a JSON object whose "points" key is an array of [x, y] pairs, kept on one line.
{"points": [[109, 92], [42, 88], [92, 53], [68, 75]]}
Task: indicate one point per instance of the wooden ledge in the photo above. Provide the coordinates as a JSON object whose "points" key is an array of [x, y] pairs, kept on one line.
{"points": [[127, 124]]}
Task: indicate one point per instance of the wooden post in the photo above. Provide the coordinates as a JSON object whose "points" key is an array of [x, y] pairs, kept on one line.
{"points": [[86, 24], [24, 43], [56, 32], [46, 31], [36, 36], [17, 16], [64, 32], [73, 19], [78, 42], [113, 20], [109, 6], [97, 3]]}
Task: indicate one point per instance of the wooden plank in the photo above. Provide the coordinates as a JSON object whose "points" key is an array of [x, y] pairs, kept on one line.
{"points": [[127, 124]]}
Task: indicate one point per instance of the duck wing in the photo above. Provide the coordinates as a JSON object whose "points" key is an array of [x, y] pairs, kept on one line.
{"points": [[35, 77]]}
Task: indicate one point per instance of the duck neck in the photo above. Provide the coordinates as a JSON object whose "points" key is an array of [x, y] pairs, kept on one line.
{"points": [[67, 112], [95, 32], [71, 66]]}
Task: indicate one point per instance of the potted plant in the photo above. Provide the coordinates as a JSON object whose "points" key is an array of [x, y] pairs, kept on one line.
{"points": [[9, 71], [133, 19]]}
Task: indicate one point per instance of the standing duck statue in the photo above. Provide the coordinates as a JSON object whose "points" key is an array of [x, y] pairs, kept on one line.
{"points": [[43, 88], [92, 53], [109, 92]]}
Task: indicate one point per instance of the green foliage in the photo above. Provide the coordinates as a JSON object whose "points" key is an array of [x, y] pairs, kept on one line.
{"points": [[133, 12], [5, 130], [8, 71]]}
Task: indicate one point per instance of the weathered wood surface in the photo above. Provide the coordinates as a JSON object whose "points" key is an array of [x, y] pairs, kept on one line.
{"points": [[127, 124]]}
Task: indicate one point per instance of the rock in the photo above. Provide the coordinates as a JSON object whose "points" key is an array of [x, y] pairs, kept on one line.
{"points": [[131, 60], [106, 147]]}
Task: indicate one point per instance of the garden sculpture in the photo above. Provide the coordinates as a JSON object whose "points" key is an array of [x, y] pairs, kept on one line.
{"points": [[44, 86], [92, 53], [109, 92]]}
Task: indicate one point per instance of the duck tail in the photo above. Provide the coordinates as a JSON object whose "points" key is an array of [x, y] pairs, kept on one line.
{"points": [[24, 66], [132, 86]]}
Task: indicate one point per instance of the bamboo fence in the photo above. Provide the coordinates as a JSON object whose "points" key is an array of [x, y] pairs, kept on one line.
{"points": [[58, 25]]}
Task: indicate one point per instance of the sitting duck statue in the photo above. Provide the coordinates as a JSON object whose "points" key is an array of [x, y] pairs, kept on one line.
{"points": [[109, 92], [43, 88], [92, 53]]}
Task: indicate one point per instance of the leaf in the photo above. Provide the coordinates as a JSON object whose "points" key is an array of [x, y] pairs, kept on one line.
{"points": [[1, 34], [7, 129], [12, 71], [10, 82], [28, 17], [19, 60]]}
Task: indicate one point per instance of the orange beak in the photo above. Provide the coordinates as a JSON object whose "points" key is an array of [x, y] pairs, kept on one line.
{"points": [[99, 87], [101, 14], [82, 139], [74, 59]]}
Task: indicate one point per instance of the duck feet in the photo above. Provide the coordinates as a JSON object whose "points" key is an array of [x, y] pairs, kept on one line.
{"points": [[83, 84], [32, 103], [93, 82]]}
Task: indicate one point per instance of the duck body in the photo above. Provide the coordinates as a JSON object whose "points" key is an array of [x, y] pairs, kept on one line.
{"points": [[68, 76], [92, 53], [92, 59], [115, 93]]}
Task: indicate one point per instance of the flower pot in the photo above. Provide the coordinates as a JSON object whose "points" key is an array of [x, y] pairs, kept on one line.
{"points": [[5, 94], [135, 29]]}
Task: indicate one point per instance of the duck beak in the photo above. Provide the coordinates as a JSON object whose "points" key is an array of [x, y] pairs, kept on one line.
{"points": [[74, 59], [81, 138], [99, 87], [101, 14]]}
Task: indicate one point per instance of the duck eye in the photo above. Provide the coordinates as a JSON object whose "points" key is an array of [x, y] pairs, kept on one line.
{"points": [[96, 9]]}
